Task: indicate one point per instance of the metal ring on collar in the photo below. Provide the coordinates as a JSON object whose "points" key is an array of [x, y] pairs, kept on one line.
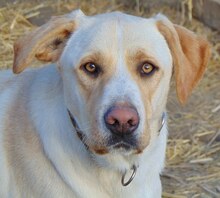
{"points": [[163, 121], [134, 168]]}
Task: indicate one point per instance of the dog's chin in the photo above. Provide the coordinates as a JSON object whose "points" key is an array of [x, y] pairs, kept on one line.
{"points": [[119, 148], [122, 148], [121, 156], [116, 153], [119, 159]]}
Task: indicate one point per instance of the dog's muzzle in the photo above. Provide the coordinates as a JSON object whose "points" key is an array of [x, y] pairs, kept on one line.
{"points": [[134, 167], [123, 135], [122, 122]]}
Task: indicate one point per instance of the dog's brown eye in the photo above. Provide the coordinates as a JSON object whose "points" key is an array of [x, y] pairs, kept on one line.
{"points": [[147, 69], [90, 67]]}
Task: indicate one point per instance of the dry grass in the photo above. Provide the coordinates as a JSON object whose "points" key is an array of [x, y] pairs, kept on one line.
{"points": [[193, 160]]}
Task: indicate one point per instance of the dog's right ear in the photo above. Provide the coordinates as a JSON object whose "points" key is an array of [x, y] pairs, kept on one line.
{"points": [[46, 43]]}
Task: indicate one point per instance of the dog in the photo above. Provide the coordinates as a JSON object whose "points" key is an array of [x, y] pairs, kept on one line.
{"points": [[92, 123]]}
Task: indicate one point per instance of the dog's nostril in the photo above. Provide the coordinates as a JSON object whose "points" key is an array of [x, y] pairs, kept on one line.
{"points": [[121, 120], [132, 122], [112, 121]]}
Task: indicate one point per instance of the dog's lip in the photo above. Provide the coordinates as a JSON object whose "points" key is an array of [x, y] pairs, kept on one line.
{"points": [[122, 142], [120, 145]]}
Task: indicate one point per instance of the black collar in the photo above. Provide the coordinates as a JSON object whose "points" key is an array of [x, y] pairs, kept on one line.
{"points": [[78, 131]]}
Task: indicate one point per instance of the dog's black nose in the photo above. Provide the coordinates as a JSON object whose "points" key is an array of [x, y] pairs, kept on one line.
{"points": [[121, 120]]}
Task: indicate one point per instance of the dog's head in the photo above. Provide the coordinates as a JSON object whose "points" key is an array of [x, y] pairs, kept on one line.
{"points": [[116, 71]]}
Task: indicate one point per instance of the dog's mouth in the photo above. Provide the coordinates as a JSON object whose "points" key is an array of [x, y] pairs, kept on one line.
{"points": [[120, 142], [122, 145]]}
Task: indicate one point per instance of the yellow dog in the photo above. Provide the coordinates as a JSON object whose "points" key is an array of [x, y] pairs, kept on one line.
{"points": [[93, 123]]}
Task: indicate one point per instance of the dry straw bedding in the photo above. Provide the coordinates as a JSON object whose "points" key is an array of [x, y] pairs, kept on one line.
{"points": [[193, 159]]}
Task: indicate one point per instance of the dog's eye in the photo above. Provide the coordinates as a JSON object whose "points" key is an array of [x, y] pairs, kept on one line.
{"points": [[91, 68], [147, 69]]}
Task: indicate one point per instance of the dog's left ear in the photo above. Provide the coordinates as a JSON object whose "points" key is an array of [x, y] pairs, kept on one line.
{"points": [[46, 43], [190, 55]]}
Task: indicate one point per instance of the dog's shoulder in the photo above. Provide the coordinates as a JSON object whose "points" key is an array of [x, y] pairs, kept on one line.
{"points": [[19, 138]]}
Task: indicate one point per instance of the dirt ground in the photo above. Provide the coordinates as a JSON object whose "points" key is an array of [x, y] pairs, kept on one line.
{"points": [[193, 151]]}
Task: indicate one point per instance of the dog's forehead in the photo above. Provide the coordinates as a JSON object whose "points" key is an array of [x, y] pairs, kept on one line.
{"points": [[117, 16], [107, 33], [118, 28], [127, 27]]}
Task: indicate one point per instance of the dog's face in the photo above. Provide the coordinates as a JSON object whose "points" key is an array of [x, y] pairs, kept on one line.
{"points": [[116, 71]]}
